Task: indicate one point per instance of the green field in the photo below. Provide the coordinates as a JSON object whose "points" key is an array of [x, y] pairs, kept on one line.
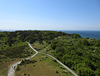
{"points": [[82, 55], [44, 66]]}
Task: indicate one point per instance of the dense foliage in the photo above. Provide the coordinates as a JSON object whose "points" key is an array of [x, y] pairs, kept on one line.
{"points": [[80, 54], [12, 44], [32, 36]]}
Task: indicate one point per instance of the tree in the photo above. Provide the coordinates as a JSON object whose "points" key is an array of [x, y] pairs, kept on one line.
{"points": [[85, 42], [97, 43], [97, 72], [53, 45], [59, 49], [40, 38], [79, 43], [84, 71], [76, 35], [32, 40]]}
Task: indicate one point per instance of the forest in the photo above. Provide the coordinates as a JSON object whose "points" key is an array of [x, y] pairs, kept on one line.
{"points": [[11, 43], [80, 54]]}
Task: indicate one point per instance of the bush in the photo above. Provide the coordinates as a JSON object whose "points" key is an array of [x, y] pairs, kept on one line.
{"points": [[18, 68], [56, 71], [85, 42], [82, 71], [97, 43]]}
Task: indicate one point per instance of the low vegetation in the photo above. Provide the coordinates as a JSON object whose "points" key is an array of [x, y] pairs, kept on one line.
{"points": [[80, 54], [42, 66]]}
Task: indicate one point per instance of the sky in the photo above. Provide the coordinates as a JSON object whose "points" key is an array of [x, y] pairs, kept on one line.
{"points": [[50, 14]]}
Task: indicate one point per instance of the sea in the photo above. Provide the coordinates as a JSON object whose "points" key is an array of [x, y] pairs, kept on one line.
{"points": [[85, 34]]}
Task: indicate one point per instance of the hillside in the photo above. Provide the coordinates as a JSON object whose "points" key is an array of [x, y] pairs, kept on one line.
{"points": [[42, 65], [80, 54], [14, 48]]}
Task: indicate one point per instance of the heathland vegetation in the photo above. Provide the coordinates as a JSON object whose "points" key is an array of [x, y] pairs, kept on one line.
{"points": [[80, 54]]}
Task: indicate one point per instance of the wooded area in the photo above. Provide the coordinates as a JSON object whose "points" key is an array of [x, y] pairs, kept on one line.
{"points": [[80, 54]]}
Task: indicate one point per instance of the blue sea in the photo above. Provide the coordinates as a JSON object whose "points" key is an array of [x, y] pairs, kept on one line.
{"points": [[85, 34]]}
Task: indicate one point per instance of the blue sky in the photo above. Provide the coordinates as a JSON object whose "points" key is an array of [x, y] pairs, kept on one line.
{"points": [[50, 14]]}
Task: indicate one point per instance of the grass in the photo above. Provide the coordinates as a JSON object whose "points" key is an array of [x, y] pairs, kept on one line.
{"points": [[5, 65], [6, 62], [39, 47], [45, 66], [46, 47]]}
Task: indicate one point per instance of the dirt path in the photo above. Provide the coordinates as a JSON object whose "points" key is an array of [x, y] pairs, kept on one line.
{"points": [[63, 65], [12, 67]]}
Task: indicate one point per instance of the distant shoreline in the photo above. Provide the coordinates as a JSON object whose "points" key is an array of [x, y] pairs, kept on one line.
{"points": [[84, 33], [44, 30]]}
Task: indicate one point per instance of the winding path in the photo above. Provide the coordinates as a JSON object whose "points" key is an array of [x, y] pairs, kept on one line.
{"points": [[63, 65], [12, 70], [12, 67]]}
